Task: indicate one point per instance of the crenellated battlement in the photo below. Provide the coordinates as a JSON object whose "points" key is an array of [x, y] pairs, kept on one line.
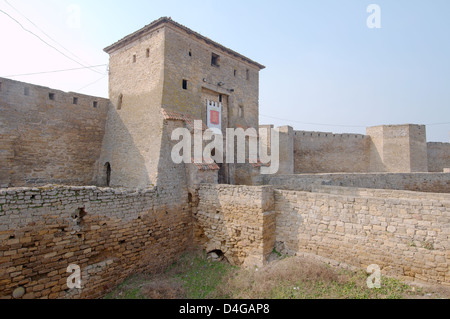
{"points": [[21, 93], [328, 135], [48, 136]]}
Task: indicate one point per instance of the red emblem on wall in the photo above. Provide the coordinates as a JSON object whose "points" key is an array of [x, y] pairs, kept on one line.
{"points": [[214, 115]]}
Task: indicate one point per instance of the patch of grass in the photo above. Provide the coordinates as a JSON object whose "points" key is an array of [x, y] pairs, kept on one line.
{"points": [[194, 276], [427, 245], [199, 275], [298, 278], [129, 289], [276, 252]]}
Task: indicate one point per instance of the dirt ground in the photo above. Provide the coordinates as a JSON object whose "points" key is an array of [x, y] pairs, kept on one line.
{"points": [[197, 277]]}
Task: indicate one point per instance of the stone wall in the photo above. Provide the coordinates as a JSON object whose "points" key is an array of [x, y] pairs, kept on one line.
{"points": [[398, 148], [408, 237], [421, 182], [109, 233], [237, 220], [133, 137], [322, 152], [48, 136], [189, 58], [438, 156], [386, 148], [406, 233]]}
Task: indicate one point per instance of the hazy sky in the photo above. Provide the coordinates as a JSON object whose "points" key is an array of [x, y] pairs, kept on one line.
{"points": [[326, 69]]}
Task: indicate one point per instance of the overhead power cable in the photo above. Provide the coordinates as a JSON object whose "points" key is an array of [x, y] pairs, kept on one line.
{"points": [[98, 80], [45, 42], [306, 123], [340, 125], [55, 71], [46, 34]]}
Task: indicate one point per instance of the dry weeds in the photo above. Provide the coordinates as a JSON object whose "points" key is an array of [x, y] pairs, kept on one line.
{"points": [[196, 277]]}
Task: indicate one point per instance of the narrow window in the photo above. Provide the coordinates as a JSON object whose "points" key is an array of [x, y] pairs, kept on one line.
{"points": [[235, 72], [215, 60], [147, 53], [134, 58], [119, 102], [220, 98], [241, 111], [185, 84], [107, 174], [26, 91], [75, 100], [190, 53], [95, 104], [51, 96], [247, 74]]}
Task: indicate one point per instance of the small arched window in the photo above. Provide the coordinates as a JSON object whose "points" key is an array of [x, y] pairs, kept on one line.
{"points": [[107, 174]]}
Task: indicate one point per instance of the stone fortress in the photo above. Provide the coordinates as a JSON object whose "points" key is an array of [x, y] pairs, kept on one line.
{"points": [[90, 181]]}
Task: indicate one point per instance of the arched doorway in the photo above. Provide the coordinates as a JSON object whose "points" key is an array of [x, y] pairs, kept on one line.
{"points": [[222, 177]]}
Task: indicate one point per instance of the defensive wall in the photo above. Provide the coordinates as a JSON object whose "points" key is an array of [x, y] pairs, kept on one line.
{"points": [[438, 156], [384, 149], [406, 233], [318, 152], [109, 233], [112, 233], [420, 182], [48, 136]]}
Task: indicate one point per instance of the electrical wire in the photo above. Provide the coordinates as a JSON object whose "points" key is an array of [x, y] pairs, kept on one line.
{"points": [[47, 35], [92, 83], [306, 123], [48, 44], [340, 125], [55, 71]]}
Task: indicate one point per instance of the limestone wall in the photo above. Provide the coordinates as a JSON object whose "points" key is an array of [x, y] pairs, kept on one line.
{"points": [[108, 233], [438, 156], [386, 148], [398, 148], [322, 152], [406, 236], [422, 182], [238, 220], [188, 57], [48, 136], [134, 126]]}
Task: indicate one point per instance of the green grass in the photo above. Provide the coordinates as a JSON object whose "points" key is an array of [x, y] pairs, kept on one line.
{"points": [[201, 276], [194, 276], [129, 289]]}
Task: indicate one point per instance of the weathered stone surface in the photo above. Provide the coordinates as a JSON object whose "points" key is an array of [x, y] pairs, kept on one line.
{"points": [[45, 140], [237, 220], [124, 232], [369, 226], [18, 292]]}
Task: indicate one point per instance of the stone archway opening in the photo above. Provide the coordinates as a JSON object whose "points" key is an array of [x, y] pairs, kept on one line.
{"points": [[216, 255]]}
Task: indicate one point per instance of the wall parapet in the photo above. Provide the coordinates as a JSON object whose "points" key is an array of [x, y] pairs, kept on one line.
{"points": [[330, 135], [441, 198], [421, 182], [49, 136]]}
